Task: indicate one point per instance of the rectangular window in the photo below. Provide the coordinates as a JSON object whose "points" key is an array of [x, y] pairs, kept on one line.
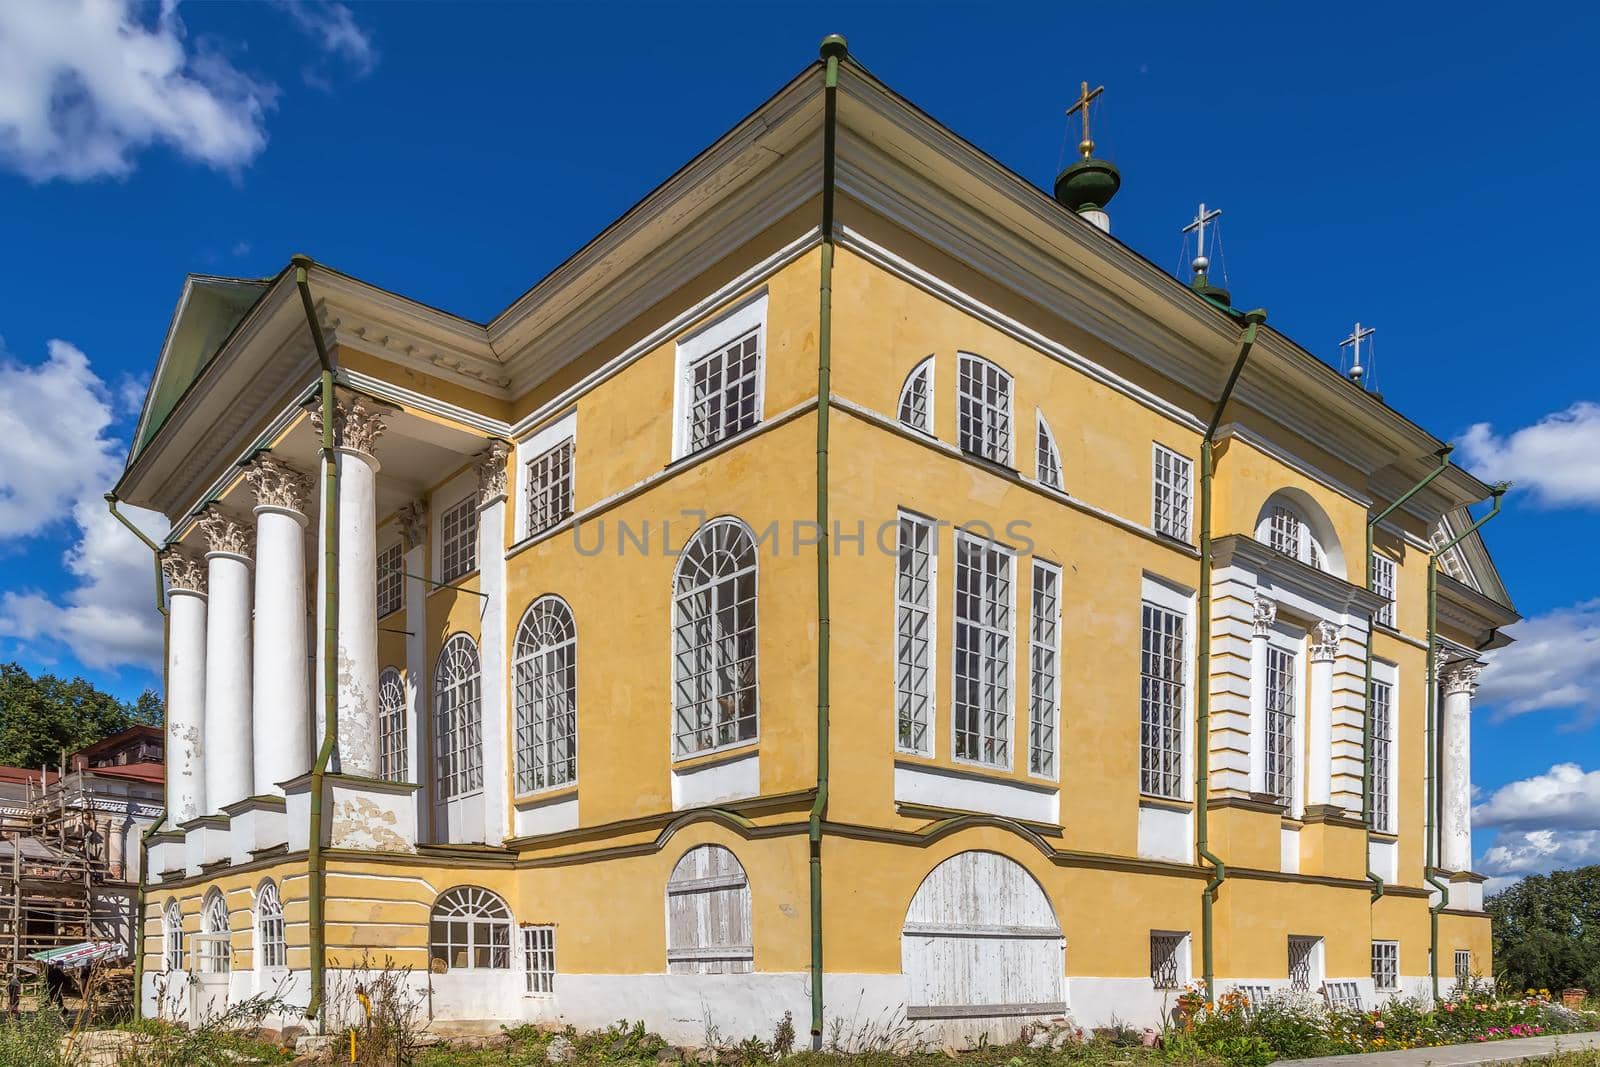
{"points": [[1166, 960], [984, 408], [1382, 756], [550, 487], [1463, 964], [1170, 505], [1302, 962], [1280, 725], [1386, 964], [458, 537], [391, 579], [1342, 996], [1383, 574], [1044, 652], [539, 954], [722, 392], [914, 635], [1161, 701], [983, 652]]}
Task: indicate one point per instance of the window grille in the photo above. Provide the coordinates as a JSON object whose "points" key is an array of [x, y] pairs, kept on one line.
{"points": [[550, 487], [391, 726], [1342, 996], [1161, 702], [539, 954], [1301, 951], [391, 579], [722, 392], [708, 914], [1170, 506], [1255, 996], [1463, 964], [1386, 964], [545, 693], [1284, 533], [1383, 580], [1044, 699], [216, 953], [1280, 725], [916, 398], [984, 409], [1382, 756], [470, 929], [1048, 456], [174, 937], [1166, 971], [270, 949], [982, 652], [914, 635], [458, 535], [457, 720], [714, 640]]}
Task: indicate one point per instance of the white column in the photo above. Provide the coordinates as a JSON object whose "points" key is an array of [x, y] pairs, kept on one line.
{"points": [[279, 711], [1460, 682], [492, 641], [419, 764], [228, 740], [1319, 715], [186, 686], [1266, 612]]}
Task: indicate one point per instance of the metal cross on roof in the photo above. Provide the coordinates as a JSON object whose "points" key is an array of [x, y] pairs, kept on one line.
{"points": [[1353, 342], [1085, 95], [1198, 227]]}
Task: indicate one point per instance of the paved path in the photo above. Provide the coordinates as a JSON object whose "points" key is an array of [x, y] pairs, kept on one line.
{"points": [[1472, 1053]]}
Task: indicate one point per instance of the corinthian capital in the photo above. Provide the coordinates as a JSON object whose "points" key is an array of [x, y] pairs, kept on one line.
{"points": [[492, 473], [358, 422], [224, 533], [1324, 642], [1461, 678], [278, 485], [1266, 615], [184, 572], [413, 523]]}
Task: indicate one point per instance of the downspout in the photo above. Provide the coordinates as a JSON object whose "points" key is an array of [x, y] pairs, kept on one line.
{"points": [[144, 838], [832, 51], [316, 875], [1202, 777], [1367, 783], [1497, 494]]}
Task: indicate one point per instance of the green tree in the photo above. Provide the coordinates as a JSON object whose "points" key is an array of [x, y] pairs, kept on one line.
{"points": [[40, 717], [1547, 931]]}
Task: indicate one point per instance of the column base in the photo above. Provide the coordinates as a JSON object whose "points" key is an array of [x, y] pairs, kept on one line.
{"points": [[165, 858], [368, 814], [205, 842], [256, 823]]}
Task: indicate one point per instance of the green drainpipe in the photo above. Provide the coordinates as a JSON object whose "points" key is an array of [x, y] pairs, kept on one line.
{"points": [[144, 838], [1202, 775], [316, 874], [832, 51], [1497, 494], [1366, 727]]}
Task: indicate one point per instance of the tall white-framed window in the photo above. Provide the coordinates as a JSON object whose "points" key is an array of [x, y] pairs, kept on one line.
{"points": [[271, 952], [1169, 962], [1047, 458], [216, 953], [1172, 493], [1044, 668], [391, 579], [549, 487], [172, 937], [539, 958], [1383, 583], [1386, 965], [916, 569], [470, 930], [983, 638], [720, 378], [545, 696], [983, 409], [715, 696], [915, 410], [458, 539], [1279, 723], [1163, 696], [457, 720], [708, 914], [1463, 969], [1384, 740], [391, 725]]}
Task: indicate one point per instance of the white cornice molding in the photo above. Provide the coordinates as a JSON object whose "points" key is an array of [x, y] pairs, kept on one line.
{"points": [[1302, 579]]}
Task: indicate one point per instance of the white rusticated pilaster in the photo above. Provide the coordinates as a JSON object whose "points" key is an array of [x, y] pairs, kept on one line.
{"points": [[1459, 682], [279, 713], [1319, 715], [492, 643], [230, 764], [1348, 750], [1230, 687], [414, 532], [1265, 613], [186, 686]]}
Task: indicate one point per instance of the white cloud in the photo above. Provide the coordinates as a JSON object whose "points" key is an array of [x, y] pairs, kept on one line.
{"points": [[86, 84], [1553, 663], [334, 29], [1554, 458], [1514, 856], [1548, 822]]}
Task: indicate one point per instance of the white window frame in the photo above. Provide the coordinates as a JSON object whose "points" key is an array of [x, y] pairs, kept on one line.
{"points": [[1007, 734], [1386, 961], [539, 959], [216, 950], [1388, 675], [464, 773], [1285, 529], [467, 505], [1047, 456], [1385, 582], [172, 936], [1313, 947], [552, 433], [1182, 496], [1463, 964], [480, 911], [1006, 412], [904, 611], [391, 578], [1283, 664], [1044, 647], [272, 951], [1178, 941], [713, 337], [393, 732], [535, 715], [1159, 593], [923, 372], [673, 625]]}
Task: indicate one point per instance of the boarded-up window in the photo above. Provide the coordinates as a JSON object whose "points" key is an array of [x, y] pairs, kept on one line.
{"points": [[708, 914], [981, 939]]}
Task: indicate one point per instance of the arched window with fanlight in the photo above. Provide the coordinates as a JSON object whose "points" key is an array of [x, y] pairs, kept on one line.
{"points": [[915, 410], [271, 952], [545, 694], [172, 937], [714, 640], [391, 725], [216, 951], [1292, 523], [458, 720], [470, 930], [1047, 456]]}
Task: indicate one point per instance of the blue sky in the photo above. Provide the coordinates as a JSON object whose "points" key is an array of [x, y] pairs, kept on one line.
{"points": [[1421, 168]]}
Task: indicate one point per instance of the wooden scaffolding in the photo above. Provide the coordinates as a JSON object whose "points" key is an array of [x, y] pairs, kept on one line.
{"points": [[48, 869]]}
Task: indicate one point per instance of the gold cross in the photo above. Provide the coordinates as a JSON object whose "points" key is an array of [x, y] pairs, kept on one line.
{"points": [[1084, 96]]}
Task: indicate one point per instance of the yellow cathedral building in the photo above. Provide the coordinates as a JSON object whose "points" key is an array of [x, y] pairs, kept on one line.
{"points": [[853, 585]]}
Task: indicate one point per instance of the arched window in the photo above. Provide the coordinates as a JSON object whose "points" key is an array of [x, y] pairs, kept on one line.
{"points": [[708, 914], [457, 720], [1292, 523], [714, 640], [545, 677], [270, 948], [391, 725], [470, 930], [983, 409], [1047, 455], [916, 398], [216, 953], [172, 935]]}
